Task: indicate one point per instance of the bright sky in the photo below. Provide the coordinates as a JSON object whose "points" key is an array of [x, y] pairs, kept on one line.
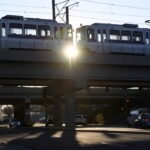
{"points": [[87, 12]]}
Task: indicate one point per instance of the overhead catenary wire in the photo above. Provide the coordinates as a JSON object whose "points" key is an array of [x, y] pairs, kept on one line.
{"points": [[104, 19], [76, 16], [111, 13], [80, 16], [114, 4], [98, 12]]}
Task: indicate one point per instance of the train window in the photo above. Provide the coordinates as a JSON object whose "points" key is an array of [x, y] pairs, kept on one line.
{"points": [[147, 38], [137, 36], [30, 29], [104, 36], [125, 35], [69, 33], [3, 29], [114, 35], [43, 30], [61, 32], [99, 39], [56, 33], [90, 34], [78, 36], [15, 28]]}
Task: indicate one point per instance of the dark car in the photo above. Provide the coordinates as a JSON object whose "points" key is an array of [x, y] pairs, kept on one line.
{"points": [[142, 121], [131, 119], [15, 123], [81, 120]]}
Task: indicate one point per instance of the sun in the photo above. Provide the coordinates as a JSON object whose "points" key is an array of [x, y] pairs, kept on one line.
{"points": [[71, 52]]}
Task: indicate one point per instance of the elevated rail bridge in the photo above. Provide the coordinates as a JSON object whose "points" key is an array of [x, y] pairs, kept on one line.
{"points": [[66, 78]]}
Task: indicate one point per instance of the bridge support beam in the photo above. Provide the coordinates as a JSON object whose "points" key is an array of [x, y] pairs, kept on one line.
{"points": [[70, 111], [58, 111]]}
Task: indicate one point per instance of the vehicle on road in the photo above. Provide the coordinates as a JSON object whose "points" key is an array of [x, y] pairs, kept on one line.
{"points": [[142, 121], [15, 123], [81, 120], [131, 119], [134, 116]]}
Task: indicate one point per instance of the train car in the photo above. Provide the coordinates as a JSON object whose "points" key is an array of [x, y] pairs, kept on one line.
{"points": [[19, 33], [104, 38]]}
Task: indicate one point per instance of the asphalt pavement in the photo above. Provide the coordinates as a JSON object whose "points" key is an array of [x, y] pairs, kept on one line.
{"points": [[45, 138]]}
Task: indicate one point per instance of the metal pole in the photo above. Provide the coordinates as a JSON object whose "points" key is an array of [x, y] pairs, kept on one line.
{"points": [[53, 8], [67, 15]]}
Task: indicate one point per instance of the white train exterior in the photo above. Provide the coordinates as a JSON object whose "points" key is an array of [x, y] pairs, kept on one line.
{"points": [[19, 33], [114, 39]]}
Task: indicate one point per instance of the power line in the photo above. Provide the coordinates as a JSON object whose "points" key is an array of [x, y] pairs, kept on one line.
{"points": [[104, 19], [118, 5], [18, 5], [98, 12], [92, 18], [17, 11], [111, 13], [91, 1]]}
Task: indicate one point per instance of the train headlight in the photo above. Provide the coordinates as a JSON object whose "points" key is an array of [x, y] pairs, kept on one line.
{"points": [[71, 52]]}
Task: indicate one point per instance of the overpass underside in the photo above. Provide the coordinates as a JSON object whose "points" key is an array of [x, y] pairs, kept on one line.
{"points": [[70, 80]]}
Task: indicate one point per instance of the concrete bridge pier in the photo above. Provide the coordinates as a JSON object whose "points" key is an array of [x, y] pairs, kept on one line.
{"points": [[22, 111], [58, 111], [19, 111], [70, 110]]}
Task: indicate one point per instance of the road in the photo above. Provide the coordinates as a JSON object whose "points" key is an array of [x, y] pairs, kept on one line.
{"points": [[80, 139]]}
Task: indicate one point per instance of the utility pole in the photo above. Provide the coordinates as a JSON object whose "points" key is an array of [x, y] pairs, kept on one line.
{"points": [[53, 8], [67, 11], [61, 12], [67, 15]]}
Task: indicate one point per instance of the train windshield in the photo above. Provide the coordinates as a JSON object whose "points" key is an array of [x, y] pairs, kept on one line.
{"points": [[69, 33]]}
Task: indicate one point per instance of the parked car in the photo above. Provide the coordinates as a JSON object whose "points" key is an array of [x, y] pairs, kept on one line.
{"points": [[142, 121], [134, 115], [81, 120], [4, 120], [49, 120], [15, 123], [131, 119]]}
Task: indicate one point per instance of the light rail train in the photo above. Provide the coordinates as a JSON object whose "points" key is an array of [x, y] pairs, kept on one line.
{"points": [[114, 39], [19, 33]]}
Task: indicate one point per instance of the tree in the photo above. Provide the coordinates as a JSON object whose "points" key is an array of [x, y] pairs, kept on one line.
{"points": [[7, 109]]}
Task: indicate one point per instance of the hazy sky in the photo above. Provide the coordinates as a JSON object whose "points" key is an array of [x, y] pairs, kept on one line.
{"points": [[87, 12]]}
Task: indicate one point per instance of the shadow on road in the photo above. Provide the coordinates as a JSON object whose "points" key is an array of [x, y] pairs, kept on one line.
{"points": [[49, 139]]}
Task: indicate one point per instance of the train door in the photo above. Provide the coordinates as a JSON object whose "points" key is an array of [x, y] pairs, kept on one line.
{"points": [[104, 41], [91, 40], [0, 33], [3, 42], [99, 41], [147, 42]]}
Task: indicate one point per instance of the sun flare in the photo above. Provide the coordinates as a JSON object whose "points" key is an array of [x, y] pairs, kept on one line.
{"points": [[71, 52]]}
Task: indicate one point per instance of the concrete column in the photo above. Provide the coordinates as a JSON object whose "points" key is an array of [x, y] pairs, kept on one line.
{"points": [[58, 111], [70, 111], [27, 109], [22, 111], [19, 111], [27, 113]]}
